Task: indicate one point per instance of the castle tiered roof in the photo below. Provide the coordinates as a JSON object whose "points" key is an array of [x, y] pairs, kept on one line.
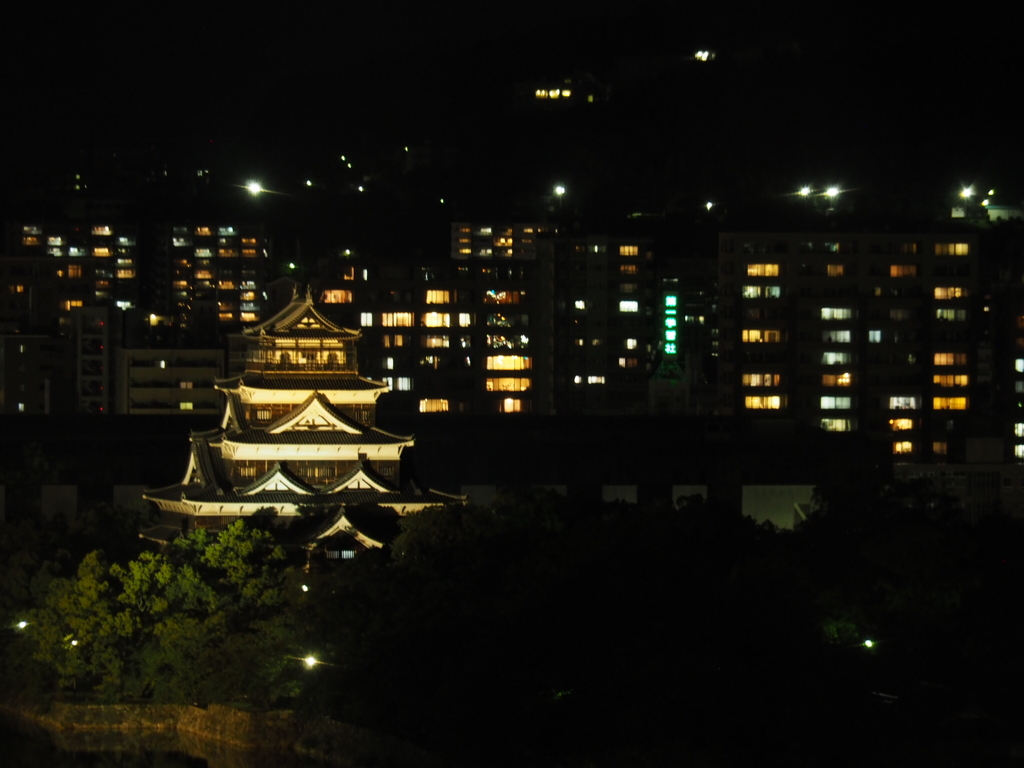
{"points": [[290, 438]]}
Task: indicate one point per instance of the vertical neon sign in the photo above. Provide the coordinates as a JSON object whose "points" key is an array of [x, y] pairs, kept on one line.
{"points": [[670, 325]]}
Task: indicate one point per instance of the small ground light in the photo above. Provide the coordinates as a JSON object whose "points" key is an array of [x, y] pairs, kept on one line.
{"points": [[74, 642], [309, 183], [708, 205], [22, 624], [305, 588], [869, 643], [309, 661]]}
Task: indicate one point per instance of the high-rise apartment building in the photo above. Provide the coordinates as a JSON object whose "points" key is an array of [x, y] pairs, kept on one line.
{"points": [[211, 274], [52, 268], [851, 331]]}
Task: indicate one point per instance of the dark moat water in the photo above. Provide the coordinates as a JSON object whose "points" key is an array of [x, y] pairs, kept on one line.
{"points": [[25, 745]]}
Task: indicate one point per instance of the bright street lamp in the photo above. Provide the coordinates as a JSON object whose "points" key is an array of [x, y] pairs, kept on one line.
{"points": [[254, 188], [309, 661], [967, 192], [804, 191], [832, 191], [559, 190]]}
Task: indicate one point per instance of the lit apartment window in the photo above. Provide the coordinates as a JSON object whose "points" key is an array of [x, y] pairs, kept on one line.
{"points": [[125, 274], [508, 363], [628, 362], [507, 385], [403, 384], [102, 231], [951, 292], [1018, 451], [902, 447], [628, 269], [503, 297], [956, 315], [753, 335], [101, 252], [762, 270], [511, 405], [836, 379], [834, 270], [761, 403], [21, 407], [248, 317], [901, 425], [874, 337], [761, 291], [629, 250], [593, 379], [438, 297], [940, 448], [629, 287], [960, 358], [904, 402], [185, 406], [1018, 430], [951, 380], [434, 342], [465, 319], [15, 288], [396, 319], [836, 358], [761, 379], [837, 313], [838, 337], [949, 403], [830, 403], [901, 314], [433, 405], [204, 253], [366, 319], [902, 270], [71, 304], [337, 297], [907, 248], [631, 343], [580, 304], [629, 306], [836, 425], [436, 320], [952, 249]]}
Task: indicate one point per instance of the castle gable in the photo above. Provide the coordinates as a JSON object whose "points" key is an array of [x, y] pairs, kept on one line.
{"points": [[277, 478], [316, 413]]}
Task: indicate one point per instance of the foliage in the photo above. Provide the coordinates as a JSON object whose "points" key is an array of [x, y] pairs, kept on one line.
{"points": [[203, 622]]}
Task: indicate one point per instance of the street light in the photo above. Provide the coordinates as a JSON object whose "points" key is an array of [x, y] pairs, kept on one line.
{"points": [[254, 188], [309, 661], [804, 191], [967, 193], [832, 191]]}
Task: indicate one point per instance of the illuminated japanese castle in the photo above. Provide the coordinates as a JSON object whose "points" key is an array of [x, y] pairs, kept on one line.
{"points": [[297, 433]]}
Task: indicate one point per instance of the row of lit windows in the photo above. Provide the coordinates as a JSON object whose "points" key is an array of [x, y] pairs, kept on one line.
{"points": [[443, 320], [440, 405]]}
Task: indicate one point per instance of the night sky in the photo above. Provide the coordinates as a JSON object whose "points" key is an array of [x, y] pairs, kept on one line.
{"points": [[899, 109]]}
